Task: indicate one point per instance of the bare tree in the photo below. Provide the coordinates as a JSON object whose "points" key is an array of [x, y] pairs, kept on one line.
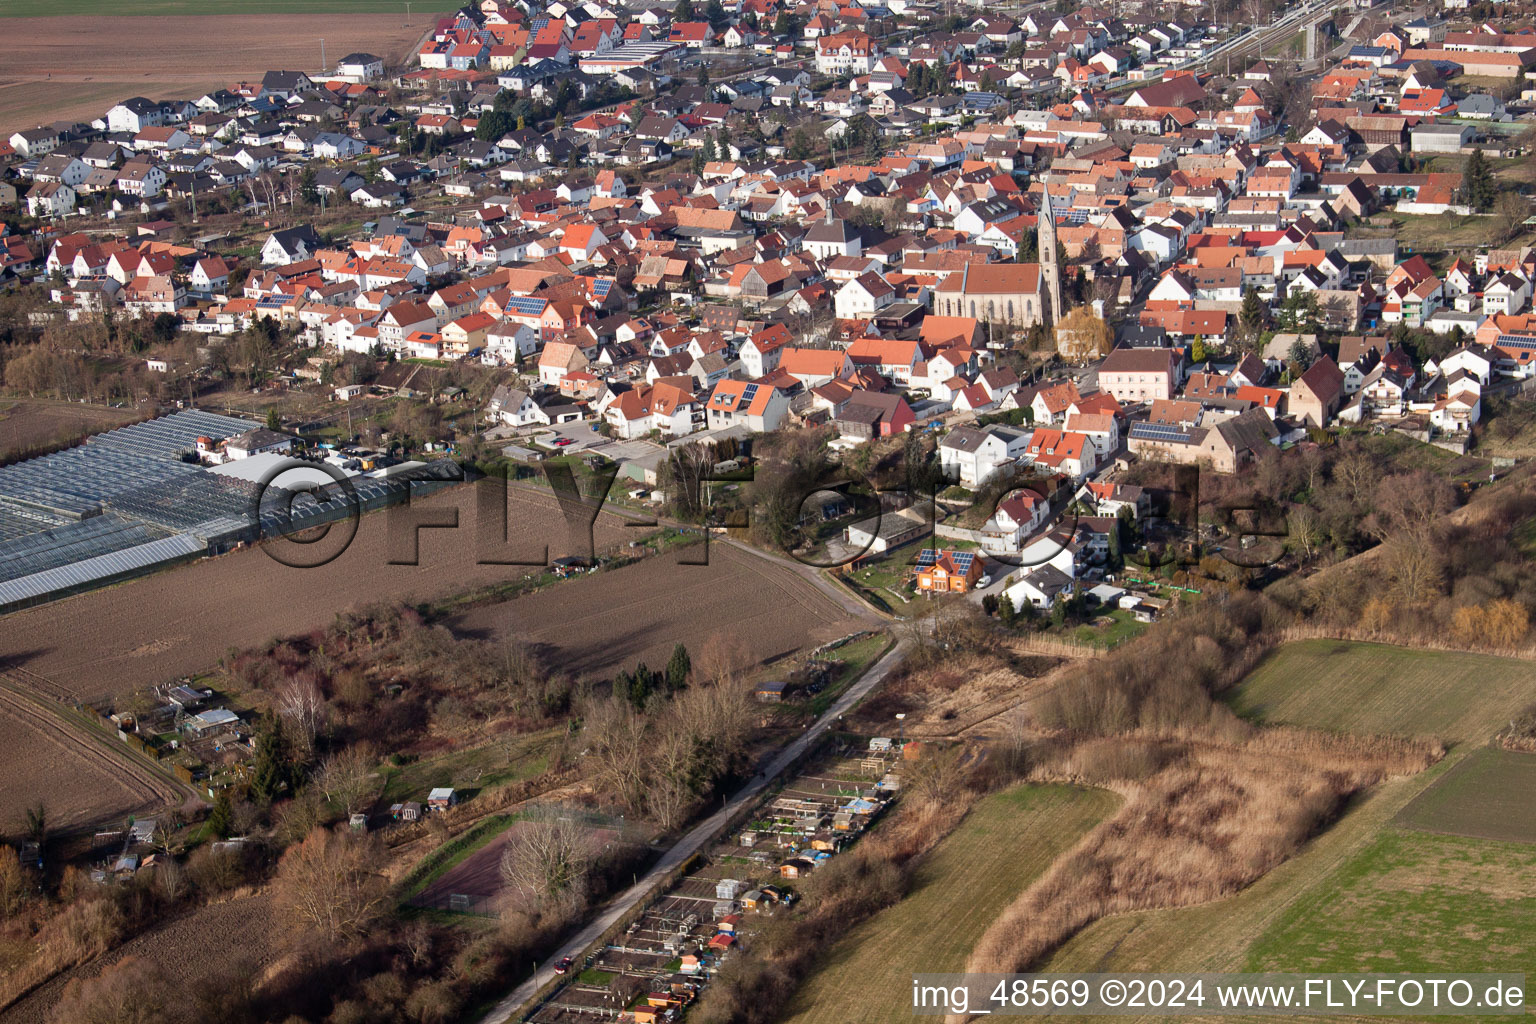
{"points": [[302, 704], [332, 882], [1306, 531], [134, 991], [1411, 504], [547, 860], [670, 794], [347, 778], [618, 747]]}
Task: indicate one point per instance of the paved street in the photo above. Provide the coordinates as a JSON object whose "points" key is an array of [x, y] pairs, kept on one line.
{"points": [[695, 840]]}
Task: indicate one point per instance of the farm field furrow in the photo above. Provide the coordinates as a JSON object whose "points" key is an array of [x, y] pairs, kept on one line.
{"points": [[1338, 903], [611, 620], [1007, 840], [182, 621], [79, 783], [1378, 689], [1487, 796], [26, 424], [183, 52], [242, 930]]}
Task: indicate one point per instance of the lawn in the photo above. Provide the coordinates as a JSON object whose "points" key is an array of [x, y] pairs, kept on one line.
{"points": [[856, 657], [471, 769], [1404, 453], [1412, 901], [1122, 626], [48, 8], [1007, 841], [1486, 796], [1380, 689], [1524, 537], [1441, 232]]}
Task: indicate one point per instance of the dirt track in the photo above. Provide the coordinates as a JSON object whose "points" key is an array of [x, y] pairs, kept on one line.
{"points": [[76, 67], [179, 622], [80, 783]]}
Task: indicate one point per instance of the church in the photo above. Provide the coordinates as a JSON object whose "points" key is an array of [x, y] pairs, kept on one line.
{"points": [[1018, 294]]}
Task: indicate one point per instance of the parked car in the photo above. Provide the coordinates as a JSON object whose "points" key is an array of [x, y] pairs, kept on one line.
{"points": [[563, 965]]}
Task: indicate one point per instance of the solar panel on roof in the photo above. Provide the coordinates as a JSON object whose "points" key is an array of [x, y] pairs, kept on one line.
{"points": [[526, 305], [1159, 432]]}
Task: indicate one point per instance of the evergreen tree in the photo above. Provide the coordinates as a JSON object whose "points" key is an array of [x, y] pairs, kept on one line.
{"points": [[1477, 186], [274, 762], [1299, 356], [494, 125], [799, 146], [1252, 313], [714, 13], [703, 77], [1299, 313], [642, 685], [678, 668], [1007, 614], [274, 420], [220, 819], [683, 11]]}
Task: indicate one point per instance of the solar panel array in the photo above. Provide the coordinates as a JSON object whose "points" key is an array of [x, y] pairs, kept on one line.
{"points": [[1159, 432], [962, 559], [1516, 341], [523, 305]]}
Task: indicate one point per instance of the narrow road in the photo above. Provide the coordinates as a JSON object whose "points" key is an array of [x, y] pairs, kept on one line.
{"points": [[695, 840]]}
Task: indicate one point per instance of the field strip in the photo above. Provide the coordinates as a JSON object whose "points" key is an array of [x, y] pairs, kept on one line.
{"points": [[140, 782]]}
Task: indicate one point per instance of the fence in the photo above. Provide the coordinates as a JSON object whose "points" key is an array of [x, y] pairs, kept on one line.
{"points": [[458, 903]]}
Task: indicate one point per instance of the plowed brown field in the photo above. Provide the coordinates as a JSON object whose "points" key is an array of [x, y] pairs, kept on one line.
{"points": [[612, 620], [116, 640], [80, 783], [184, 948], [74, 68]]}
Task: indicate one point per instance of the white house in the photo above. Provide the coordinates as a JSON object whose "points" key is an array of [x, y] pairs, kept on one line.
{"points": [[512, 406], [51, 199], [1017, 516], [973, 455], [862, 296]]}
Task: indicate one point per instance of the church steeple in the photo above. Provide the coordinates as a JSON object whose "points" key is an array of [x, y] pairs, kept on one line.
{"points": [[1050, 271]]}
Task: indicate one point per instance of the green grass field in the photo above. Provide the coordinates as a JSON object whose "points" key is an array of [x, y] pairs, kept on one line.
{"points": [[1412, 901], [50, 8], [1379, 689], [1487, 796], [1366, 894], [1007, 841]]}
